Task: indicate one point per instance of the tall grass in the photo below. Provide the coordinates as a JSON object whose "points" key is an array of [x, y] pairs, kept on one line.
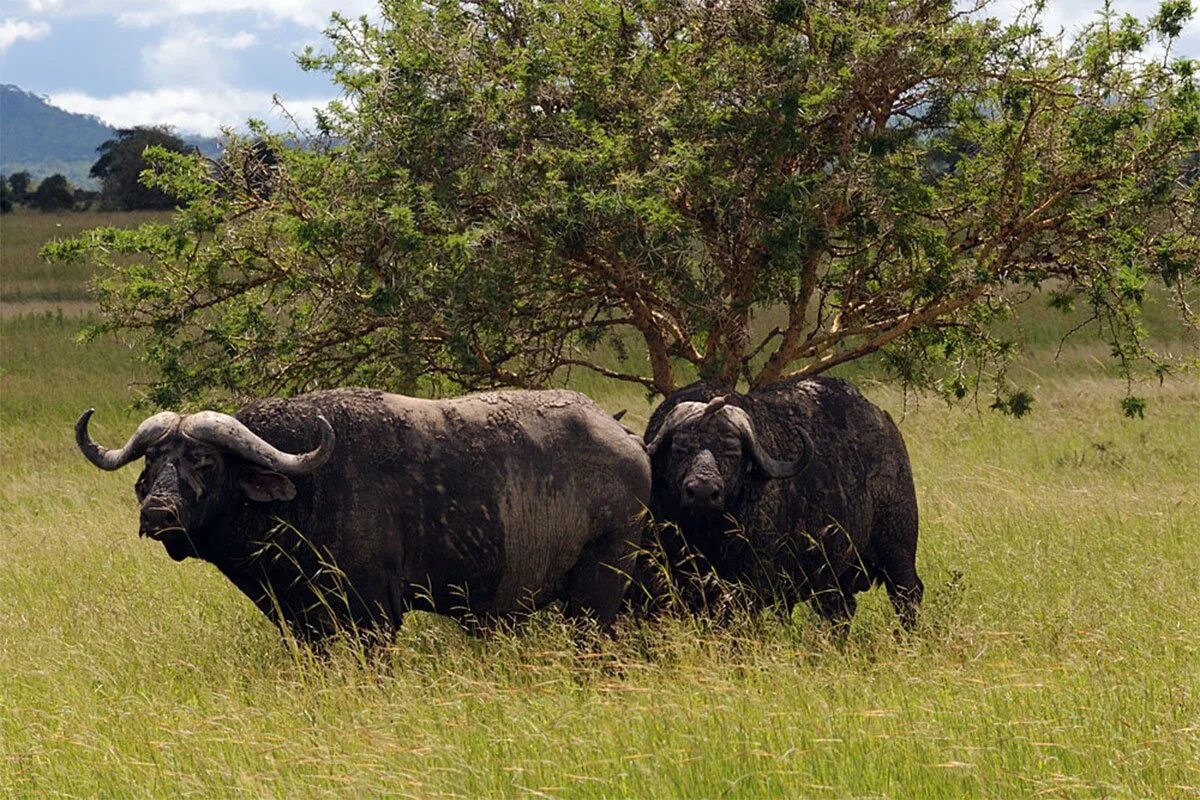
{"points": [[28, 279], [1059, 652]]}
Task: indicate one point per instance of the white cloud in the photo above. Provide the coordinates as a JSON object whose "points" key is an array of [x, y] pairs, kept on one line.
{"points": [[189, 109], [1070, 16], [241, 40], [144, 13], [190, 55], [12, 30]]}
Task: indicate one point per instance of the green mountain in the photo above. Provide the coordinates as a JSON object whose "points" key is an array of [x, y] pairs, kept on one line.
{"points": [[44, 139]]}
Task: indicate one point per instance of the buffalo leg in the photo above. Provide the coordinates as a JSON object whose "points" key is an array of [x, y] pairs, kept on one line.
{"points": [[596, 586], [836, 605], [906, 593], [398, 604], [894, 540]]}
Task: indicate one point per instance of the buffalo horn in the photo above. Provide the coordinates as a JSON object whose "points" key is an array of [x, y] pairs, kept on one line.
{"points": [[771, 467], [225, 431], [150, 431], [681, 413], [714, 405]]}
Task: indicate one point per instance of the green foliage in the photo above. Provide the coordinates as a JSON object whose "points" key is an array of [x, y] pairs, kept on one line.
{"points": [[1017, 404], [1171, 17], [750, 189], [53, 194], [1133, 406], [6, 201], [76, 171], [19, 183], [122, 162]]}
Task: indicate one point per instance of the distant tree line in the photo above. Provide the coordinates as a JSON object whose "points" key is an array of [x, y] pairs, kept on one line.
{"points": [[54, 193], [118, 169]]}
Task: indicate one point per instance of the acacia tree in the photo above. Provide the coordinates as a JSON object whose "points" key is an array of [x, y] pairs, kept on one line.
{"points": [[750, 189]]}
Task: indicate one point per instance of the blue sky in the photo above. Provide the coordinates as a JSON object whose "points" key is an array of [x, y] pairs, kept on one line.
{"points": [[194, 64], [201, 64]]}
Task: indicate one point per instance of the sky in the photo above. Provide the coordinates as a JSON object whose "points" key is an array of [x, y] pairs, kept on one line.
{"points": [[202, 64], [193, 64]]}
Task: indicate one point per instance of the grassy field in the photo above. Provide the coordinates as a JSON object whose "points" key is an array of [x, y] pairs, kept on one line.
{"points": [[1059, 654]]}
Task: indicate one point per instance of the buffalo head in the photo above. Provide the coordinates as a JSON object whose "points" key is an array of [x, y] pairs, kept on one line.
{"points": [[198, 467], [704, 453]]}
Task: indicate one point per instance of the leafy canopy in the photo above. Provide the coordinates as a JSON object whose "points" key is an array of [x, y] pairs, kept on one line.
{"points": [[743, 190], [121, 164], [21, 184], [54, 193]]}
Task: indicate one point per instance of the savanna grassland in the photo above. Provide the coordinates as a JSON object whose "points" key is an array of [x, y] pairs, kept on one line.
{"points": [[1059, 652]]}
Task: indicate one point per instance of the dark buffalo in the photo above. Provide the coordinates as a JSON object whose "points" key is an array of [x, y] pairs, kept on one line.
{"points": [[344, 509], [800, 491]]}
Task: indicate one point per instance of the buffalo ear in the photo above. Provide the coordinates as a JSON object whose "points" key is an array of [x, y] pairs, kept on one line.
{"points": [[265, 486]]}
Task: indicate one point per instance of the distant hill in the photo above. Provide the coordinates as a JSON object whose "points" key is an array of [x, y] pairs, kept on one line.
{"points": [[44, 139]]}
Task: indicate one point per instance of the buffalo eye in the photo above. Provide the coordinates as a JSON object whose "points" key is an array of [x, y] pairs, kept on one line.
{"points": [[202, 463], [198, 469], [139, 488]]}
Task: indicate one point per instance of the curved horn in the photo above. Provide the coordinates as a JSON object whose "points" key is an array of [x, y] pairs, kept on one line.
{"points": [[681, 413], [771, 467], [150, 431], [714, 405], [225, 431]]}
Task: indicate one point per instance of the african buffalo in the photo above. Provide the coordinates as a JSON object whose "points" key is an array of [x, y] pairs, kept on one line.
{"points": [[802, 490], [343, 509]]}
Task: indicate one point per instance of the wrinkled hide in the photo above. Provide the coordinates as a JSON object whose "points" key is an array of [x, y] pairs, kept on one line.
{"points": [[780, 533], [478, 507]]}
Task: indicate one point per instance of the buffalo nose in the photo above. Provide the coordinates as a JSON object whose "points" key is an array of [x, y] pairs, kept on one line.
{"points": [[701, 494], [156, 518]]}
